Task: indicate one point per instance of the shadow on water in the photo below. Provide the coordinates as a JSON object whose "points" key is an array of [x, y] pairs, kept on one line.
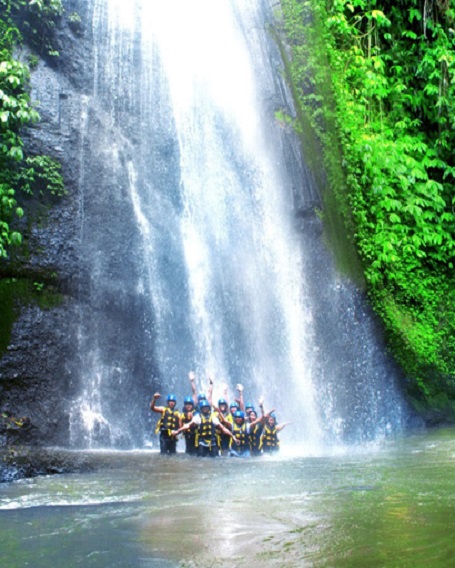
{"points": [[392, 505]]}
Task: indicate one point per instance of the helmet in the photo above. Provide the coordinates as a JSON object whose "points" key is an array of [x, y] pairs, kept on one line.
{"points": [[273, 415], [171, 397], [234, 405], [249, 406], [201, 396], [239, 414], [204, 404], [188, 400], [222, 401]]}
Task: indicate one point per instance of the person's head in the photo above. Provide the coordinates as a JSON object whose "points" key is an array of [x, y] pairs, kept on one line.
{"points": [[239, 417], [201, 396], [204, 406], [271, 420], [233, 407], [171, 400], [252, 416], [222, 405], [188, 404], [248, 408]]}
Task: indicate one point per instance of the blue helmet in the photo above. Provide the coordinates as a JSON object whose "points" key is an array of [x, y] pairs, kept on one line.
{"points": [[239, 414], [249, 406], [273, 415], [201, 396], [222, 401], [204, 404], [234, 404], [188, 400], [171, 397]]}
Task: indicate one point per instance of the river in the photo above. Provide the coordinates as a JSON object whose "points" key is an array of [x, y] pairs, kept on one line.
{"points": [[389, 504]]}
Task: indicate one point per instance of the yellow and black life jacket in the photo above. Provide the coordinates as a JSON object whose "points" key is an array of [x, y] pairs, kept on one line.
{"points": [[223, 440], [255, 437], [206, 432], [270, 439], [241, 435], [186, 417], [169, 421]]}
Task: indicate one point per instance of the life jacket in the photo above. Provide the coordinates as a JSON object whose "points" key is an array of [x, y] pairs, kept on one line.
{"points": [[255, 437], [186, 417], [269, 440], [206, 432], [241, 435], [169, 421], [223, 440]]}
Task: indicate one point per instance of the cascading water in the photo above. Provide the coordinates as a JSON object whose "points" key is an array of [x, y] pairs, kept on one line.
{"points": [[196, 252]]}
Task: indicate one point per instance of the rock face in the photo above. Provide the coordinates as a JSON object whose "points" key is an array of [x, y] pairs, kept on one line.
{"points": [[37, 369], [40, 370]]}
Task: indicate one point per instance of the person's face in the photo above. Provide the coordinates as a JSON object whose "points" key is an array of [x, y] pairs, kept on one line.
{"points": [[271, 421], [171, 404], [238, 421], [252, 416], [205, 410], [223, 408], [188, 407]]}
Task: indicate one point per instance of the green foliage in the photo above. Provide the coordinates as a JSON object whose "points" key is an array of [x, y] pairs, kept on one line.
{"points": [[377, 80], [74, 18], [17, 171]]}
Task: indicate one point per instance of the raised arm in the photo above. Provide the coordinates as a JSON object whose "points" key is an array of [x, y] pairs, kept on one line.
{"points": [[282, 425], [153, 406], [210, 390], [192, 378], [261, 406], [239, 399]]}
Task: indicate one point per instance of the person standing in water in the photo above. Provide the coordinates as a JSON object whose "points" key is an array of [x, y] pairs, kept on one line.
{"points": [[168, 422], [270, 443], [185, 417]]}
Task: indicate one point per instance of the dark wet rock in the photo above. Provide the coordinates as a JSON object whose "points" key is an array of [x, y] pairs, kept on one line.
{"points": [[27, 462], [36, 369], [21, 463]]}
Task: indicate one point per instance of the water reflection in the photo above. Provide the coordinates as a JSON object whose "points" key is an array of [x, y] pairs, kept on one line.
{"points": [[394, 506]]}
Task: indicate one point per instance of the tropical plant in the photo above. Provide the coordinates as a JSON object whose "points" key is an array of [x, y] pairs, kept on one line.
{"points": [[377, 81], [18, 171]]}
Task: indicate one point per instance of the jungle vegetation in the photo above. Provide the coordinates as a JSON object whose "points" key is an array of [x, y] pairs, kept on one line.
{"points": [[375, 79]]}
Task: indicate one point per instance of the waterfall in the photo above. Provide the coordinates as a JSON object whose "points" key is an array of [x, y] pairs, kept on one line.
{"points": [[201, 247]]}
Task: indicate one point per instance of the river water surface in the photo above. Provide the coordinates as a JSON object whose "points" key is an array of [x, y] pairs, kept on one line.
{"points": [[388, 505]]}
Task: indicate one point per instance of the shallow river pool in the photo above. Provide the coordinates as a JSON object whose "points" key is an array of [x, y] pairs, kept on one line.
{"points": [[390, 505]]}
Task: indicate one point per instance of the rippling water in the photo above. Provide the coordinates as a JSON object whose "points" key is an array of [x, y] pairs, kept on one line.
{"points": [[389, 505]]}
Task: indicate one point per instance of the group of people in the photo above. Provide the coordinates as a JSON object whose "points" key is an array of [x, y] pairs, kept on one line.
{"points": [[210, 429]]}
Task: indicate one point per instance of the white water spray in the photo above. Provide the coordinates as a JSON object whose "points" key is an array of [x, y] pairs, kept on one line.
{"points": [[185, 97]]}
